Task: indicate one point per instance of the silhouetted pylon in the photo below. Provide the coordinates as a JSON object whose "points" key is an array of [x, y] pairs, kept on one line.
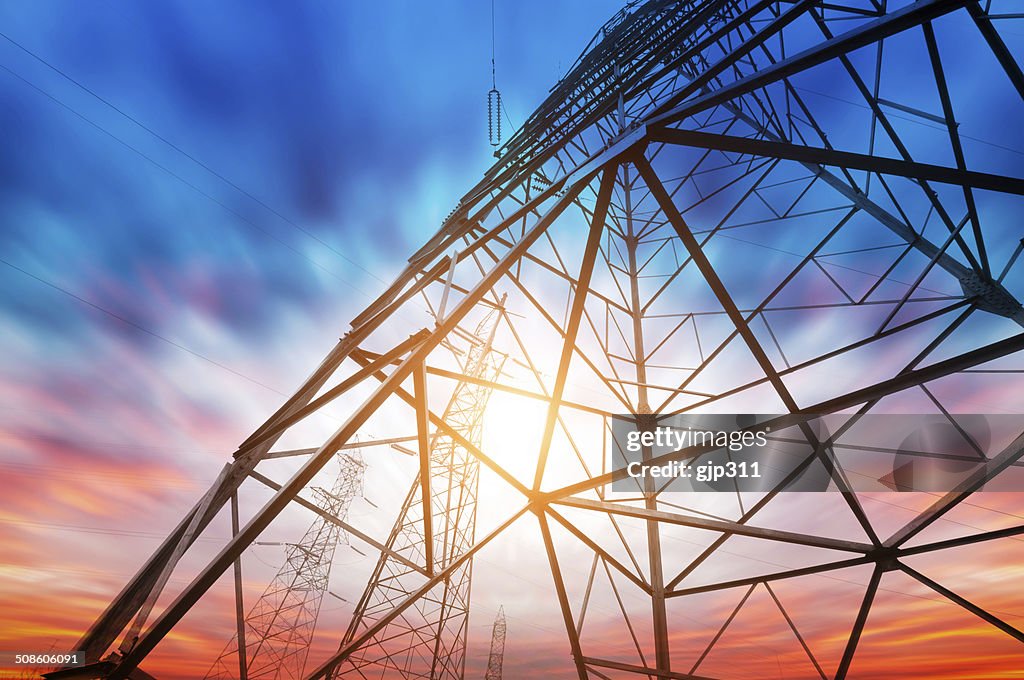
{"points": [[429, 639], [497, 656], [280, 626]]}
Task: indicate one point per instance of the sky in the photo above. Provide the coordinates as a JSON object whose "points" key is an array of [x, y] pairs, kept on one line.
{"points": [[195, 198]]}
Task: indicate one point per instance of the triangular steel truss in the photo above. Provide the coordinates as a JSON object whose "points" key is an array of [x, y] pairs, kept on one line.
{"points": [[279, 628], [428, 640]]}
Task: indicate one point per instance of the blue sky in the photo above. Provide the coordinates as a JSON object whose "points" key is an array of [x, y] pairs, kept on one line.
{"points": [[164, 288], [356, 124]]}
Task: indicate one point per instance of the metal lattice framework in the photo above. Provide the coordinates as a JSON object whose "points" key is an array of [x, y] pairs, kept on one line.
{"points": [[497, 655], [279, 628], [428, 640], [735, 205]]}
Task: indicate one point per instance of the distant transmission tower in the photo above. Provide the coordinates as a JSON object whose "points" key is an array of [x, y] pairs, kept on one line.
{"points": [[497, 647], [428, 640], [280, 626]]}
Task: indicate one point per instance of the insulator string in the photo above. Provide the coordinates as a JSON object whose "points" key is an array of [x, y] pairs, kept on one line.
{"points": [[493, 97]]}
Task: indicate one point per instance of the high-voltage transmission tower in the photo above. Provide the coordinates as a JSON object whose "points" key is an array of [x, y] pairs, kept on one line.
{"points": [[789, 207], [497, 656], [428, 640], [280, 626]]}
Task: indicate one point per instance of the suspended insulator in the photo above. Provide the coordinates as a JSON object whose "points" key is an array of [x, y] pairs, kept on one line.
{"points": [[494, 117]]}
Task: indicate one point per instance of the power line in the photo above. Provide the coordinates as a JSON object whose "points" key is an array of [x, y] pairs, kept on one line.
{"points": [[184, 181], [911, 119], [194, 159], [45, 472], [139, 327], [186, 154], [98, 530]]}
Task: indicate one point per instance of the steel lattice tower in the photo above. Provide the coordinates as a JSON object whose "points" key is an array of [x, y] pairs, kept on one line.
{"points": [[748, 206], [280, 626], [497, 656], [429, 639]]}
